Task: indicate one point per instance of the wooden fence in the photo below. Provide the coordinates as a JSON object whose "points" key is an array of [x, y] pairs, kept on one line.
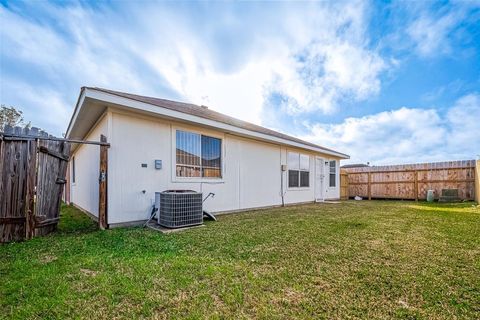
{"points": [[32, 175], [411, 181]]}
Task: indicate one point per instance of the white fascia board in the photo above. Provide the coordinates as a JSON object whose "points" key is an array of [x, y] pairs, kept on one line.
{"points": [[134, 104], [78, 106]]}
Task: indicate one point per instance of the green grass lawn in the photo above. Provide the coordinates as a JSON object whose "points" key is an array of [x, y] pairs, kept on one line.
{"points": [[365, 259]]}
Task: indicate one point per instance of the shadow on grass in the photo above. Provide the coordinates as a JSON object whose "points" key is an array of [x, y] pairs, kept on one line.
{"points": [[73, 221]]}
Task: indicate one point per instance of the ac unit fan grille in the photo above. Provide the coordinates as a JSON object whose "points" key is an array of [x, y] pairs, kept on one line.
{"points": [[180, 209]]}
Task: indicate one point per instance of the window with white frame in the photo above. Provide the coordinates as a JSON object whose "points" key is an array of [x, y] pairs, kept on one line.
{"points": [[333, 173], [298, 170], [198, 155]]}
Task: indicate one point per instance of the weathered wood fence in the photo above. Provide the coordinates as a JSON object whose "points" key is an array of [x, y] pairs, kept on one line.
{"points": [[411, 181], [32, 176]]}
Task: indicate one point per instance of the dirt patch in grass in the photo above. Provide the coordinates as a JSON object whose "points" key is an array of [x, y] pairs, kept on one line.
{"points": [[88, 272], [47, 259]]}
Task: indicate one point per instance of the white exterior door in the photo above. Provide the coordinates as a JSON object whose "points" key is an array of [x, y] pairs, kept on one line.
{"points": [[319, 179]]}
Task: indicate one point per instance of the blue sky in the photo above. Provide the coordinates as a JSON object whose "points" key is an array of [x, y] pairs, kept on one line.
{"points": [[393, 82]]}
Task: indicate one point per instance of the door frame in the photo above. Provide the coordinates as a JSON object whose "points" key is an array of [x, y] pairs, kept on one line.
{"points": [[319, 181]]}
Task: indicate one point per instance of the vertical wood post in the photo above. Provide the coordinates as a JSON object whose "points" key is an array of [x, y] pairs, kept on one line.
{"points": [[102, 190], [477, 181], [344, 185], [347, 185], [415, 183], [369, 186], [30, 189]]}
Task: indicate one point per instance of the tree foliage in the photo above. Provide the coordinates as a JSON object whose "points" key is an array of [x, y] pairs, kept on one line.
{"points": [[12, 117]]}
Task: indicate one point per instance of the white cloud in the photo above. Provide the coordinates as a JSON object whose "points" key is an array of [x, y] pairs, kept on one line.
{"points": [[315, 54], [53, 113], [431, 35], [438, 28], [329, 72], [464, 121], [407, 135]]}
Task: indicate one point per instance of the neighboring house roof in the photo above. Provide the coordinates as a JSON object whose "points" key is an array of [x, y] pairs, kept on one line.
{"points": [[205, 113], [184, 157], [355, 165], [187, 158]]}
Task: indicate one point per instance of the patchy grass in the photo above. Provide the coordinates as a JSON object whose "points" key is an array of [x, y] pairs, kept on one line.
{"points": [[367, 259]]}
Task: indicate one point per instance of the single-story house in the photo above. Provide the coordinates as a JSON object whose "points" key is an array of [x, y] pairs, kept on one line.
{"points": [[158, 144]]}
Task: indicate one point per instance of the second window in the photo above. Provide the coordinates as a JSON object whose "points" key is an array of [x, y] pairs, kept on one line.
{"points": [[298, 170]]}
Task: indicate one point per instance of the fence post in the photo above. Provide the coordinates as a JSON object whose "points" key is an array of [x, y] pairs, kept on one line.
{"points": [[415, 182], [369, 186], [102, 181], [477, 181], [30, 189], [343, 184], [347, 196]]}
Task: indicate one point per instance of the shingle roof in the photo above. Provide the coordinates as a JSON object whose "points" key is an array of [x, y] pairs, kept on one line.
{"points": [[204, 112]]}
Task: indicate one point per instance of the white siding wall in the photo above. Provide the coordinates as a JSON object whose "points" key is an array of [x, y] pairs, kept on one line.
{"points": [[84, 191], [251, 170], [135, 141]]}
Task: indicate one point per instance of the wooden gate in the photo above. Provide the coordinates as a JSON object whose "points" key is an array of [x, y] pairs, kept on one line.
{"points": [[32, 175], [17, 172], [52, 160]]}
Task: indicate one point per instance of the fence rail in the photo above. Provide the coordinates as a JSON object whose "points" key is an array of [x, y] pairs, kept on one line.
{"points": [[411, 181]]}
